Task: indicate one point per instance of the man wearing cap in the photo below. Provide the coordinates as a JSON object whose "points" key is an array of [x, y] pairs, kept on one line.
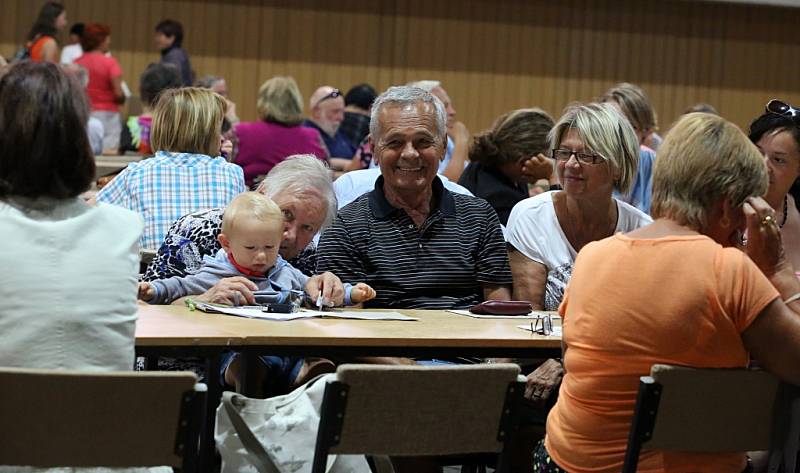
{"points": [[327, 112]]}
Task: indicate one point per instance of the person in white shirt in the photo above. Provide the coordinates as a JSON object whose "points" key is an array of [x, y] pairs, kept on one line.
{"points": [[596, 152], [73, 50], [70, 269]]}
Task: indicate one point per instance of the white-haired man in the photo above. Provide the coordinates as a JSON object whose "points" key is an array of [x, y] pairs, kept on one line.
{"points": [[416, 243], [456, 156]]}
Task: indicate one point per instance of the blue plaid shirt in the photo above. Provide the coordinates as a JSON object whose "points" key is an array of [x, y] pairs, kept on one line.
{"points": [[169, 185]]}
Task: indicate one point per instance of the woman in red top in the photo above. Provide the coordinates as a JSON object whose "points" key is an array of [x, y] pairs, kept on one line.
{"points": [[105, 82], [41, 39]]}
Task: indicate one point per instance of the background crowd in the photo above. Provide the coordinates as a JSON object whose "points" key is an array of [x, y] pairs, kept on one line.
{"points": [[385, 199]]}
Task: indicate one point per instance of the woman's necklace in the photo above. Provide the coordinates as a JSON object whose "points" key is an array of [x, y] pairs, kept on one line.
{"points": [[785, 211]]}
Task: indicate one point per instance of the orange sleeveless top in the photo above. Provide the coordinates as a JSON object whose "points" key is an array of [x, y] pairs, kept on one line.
{"points": [[36, 48]]}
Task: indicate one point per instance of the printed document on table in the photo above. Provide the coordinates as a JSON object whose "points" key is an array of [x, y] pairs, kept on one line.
{"points": [[255, 312]]}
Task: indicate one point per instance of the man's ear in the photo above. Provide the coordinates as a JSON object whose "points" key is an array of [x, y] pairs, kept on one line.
{"points": [[223, 241]]}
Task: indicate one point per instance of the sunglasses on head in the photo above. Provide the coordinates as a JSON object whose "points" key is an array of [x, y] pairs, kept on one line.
{"points": [[331, 95], [784, 109]]}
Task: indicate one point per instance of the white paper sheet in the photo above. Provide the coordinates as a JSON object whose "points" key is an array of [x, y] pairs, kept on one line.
{"points": [[532, 315], [255, 313]]}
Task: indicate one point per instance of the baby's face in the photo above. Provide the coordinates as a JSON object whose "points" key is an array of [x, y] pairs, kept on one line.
{"points": [[254, 244]]}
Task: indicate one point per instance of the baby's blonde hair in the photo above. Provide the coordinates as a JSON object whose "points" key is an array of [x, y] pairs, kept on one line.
{"points": [[252, 205]]}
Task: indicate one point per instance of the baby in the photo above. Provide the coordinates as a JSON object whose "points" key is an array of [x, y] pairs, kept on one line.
{"points": [[252, 230]]}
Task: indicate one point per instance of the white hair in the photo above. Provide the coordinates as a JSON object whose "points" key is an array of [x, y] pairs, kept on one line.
{"points": [[302, 173], [426, 85], [399, 96]]}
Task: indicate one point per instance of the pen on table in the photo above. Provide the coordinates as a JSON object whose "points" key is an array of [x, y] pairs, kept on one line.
{"points": [[319, 301]]}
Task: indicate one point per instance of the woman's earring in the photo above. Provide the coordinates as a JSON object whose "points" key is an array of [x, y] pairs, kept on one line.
{"points": [[725, 221]]}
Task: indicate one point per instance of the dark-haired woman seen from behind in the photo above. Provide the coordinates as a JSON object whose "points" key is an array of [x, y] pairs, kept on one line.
{"points": [[501, 159], [105, 82], [777, 136], [41, 41], [69, 275]]}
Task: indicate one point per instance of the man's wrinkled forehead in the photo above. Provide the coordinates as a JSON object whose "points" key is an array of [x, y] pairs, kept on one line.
{"points": [[420, 113]]}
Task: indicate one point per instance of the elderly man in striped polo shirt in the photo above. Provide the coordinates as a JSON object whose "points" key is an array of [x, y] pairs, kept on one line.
{"points": [[416, 243]]}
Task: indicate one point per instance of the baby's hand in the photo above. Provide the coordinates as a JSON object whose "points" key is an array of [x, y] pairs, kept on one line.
{"points": [[361, 293], [146, 291]]}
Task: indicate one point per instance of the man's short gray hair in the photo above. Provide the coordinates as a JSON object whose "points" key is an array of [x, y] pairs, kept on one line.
{"points": [[301, 173], [426, 85], [400, 96]]}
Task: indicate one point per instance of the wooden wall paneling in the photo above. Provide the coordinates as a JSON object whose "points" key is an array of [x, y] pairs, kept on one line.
{"points": [[551, 42], [382, 39], [506, 63], [11, 25], [492, 55], [240, 71]]}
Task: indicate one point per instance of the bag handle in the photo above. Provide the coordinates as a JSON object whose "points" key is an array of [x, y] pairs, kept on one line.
{"points": [[262, 461]]}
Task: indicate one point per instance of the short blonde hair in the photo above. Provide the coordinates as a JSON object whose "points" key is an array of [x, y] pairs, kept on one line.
{"points": [[634, 104], [704, 158], [188, 120], [252, 205], [279, 100], [606, 132]]}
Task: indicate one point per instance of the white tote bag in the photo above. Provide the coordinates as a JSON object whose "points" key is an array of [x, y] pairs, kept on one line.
{"points": [[278, 434]]}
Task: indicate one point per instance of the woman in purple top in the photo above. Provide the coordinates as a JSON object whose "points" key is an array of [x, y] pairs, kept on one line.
{"points": [[264, 143]]}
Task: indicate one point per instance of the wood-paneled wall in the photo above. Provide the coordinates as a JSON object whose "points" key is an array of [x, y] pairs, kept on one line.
{"points": [[491, 55]]}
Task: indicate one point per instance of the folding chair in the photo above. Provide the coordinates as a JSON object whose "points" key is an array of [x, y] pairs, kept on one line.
{"points": [[715, 411], [419, 411], [100, 419]]}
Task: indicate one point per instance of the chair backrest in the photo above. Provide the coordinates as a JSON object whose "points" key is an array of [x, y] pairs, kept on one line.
{"points": [[418, 410], [145, 257], [92, 419], [709, 410]]}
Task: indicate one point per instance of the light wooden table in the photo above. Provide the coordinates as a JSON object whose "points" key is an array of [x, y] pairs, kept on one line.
{"points": [[436, 333], [177, 331]]}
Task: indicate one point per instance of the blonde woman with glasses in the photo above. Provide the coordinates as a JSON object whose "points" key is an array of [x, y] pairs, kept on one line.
{"points": [[596, 152], [187, 172]]}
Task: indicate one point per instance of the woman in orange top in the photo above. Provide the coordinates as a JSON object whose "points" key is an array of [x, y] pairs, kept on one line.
{"points": [[677, 291], [41, 39]]}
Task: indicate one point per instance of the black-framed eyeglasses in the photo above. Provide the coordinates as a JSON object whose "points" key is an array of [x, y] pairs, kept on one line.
{"points": [[331, 95], [784, 109], [583, 158], [542, 325]]}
